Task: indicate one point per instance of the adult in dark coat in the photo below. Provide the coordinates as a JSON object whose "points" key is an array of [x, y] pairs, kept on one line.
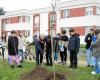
{"points": [[39, 48], [73, 47], [48, 51]]}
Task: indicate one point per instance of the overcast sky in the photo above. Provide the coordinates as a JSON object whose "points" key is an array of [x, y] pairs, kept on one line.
{"points": [[10, 5]]}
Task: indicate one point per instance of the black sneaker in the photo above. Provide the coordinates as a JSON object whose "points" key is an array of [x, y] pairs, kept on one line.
{"points": [[50, 64], [47, 64], [88, 65], [21, 61], [12, 66], [92, 66], [70, 66], [19, 66]]}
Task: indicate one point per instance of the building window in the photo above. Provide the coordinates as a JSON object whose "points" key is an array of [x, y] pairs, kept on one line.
{"points": [[27, 19], [97, 10], [7, 21], [89, 11], [20, 19], [36, 21], [66, 13]]}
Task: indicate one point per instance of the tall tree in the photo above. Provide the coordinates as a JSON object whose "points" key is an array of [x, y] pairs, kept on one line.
{"points": [[2, 12]]}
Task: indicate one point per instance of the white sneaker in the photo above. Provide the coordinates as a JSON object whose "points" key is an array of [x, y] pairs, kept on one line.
{"points": [[93, 72], [55, 62]]}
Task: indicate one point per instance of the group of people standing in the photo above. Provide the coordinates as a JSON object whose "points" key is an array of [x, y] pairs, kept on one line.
{"points": [[92, 40], [51, 47], [55, 45]]}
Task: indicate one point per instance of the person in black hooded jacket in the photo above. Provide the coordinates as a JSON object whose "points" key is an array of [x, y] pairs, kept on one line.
{"points": [[48, 51], [88, 41], [73, 47], [13, 49]]}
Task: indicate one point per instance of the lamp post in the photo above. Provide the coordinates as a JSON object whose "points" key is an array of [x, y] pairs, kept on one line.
{"points": [[52, 25]]}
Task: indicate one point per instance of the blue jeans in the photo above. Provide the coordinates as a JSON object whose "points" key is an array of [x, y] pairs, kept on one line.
{"points": [[96, 67], [21, 54], [92, 61], [55, 56], [3, 50], [89, 56]]}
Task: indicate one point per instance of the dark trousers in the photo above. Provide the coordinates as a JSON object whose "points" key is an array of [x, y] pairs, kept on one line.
{"points": [[49, 58], [73, 59], [63, 55], [39, 58]]}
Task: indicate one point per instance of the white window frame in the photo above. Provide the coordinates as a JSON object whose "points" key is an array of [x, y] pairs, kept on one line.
{"points": [[98, 11], [27, 19], [20, 19], [66, 13], [89, 11]]}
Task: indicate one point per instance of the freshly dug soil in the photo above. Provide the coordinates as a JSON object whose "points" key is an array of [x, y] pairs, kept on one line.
{"points": [[40, 73]]}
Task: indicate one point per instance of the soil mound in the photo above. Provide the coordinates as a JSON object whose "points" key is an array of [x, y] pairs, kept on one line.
{"points": [[40, 73]]}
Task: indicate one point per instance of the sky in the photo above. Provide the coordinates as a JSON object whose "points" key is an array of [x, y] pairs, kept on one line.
{"points": [[10, 5]]}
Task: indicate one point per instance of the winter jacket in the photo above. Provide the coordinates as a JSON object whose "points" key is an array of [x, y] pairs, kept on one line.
{"points": [[88, 40], [74, 43], [96, 47], [64, 40], [39, 46], [48, 46], [56, 44], [13, 46]]}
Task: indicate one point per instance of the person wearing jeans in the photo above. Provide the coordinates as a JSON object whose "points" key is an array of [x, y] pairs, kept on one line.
{"points": [[89, 57], [56, 47], [20, 47], [96, 52], [56, 56], [96, 65], [88, 41]]}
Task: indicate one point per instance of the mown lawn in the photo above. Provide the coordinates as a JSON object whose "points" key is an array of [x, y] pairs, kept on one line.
{"points": [[82, 73]]}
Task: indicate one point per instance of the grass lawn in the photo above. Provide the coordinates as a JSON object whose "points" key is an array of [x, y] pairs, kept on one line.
{"points": [[82, 73]]}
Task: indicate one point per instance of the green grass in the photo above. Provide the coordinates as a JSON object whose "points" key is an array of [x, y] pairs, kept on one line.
{"points": [[6, 73], [82, 73]]}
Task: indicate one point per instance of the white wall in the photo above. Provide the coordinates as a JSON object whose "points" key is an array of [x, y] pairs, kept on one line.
{"points": [[58, 22], [44, 23], [81, 21], [18, 26]]}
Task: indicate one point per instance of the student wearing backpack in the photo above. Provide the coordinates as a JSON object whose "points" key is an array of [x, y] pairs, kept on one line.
{"points": [[63, 47]]}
